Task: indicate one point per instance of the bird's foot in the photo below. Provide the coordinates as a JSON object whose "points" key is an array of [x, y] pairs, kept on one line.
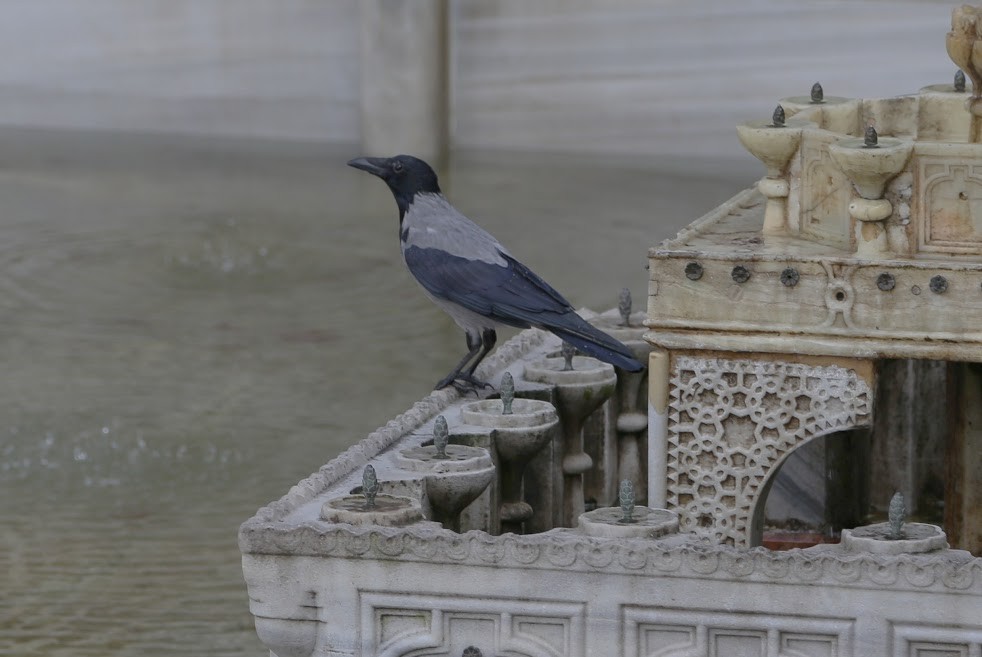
{"points": [[464, 383], [445, 381]]}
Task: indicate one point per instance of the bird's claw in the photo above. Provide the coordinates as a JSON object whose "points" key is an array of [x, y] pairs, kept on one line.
{"points": [[464, 384], [464, 387]]}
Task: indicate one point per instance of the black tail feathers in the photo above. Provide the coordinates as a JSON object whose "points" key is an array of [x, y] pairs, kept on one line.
{"points": [[594, 342]]}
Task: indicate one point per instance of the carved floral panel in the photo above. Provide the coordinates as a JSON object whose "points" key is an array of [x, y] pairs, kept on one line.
{"points": [[731, 422]]}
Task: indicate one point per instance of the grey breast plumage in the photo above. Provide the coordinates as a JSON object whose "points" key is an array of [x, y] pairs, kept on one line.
{"points": [[457, 261], [432, 223]]}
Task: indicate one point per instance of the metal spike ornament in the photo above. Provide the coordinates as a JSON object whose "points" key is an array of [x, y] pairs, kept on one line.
{"points": [[870, 139], [624, 307], [896, 515], [369, 486], [441, 437], [818, 94], [567, 352], [507, 393], [777, 119], [626, 499]]}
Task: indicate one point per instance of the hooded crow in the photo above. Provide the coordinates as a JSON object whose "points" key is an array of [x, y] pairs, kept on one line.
{"points": [[471, 276]]}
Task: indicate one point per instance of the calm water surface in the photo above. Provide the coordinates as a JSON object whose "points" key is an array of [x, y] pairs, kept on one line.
{"points": [[191, 326]]}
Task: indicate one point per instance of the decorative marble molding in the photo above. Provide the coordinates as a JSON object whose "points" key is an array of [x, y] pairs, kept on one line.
{"points": [[396, 624], [567, 550], [916, 227], [950, 190], [659, 631], [914, 640], [731, 422], [821, 206], [835, 297]]}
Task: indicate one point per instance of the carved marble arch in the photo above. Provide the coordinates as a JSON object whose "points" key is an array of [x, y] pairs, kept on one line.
{"points": [[731, 422], [757, 515]]}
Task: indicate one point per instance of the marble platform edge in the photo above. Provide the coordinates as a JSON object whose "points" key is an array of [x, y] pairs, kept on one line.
{"points": [[269, 534], [952, 571], [742, 200], [797, 342], [359, 454]]}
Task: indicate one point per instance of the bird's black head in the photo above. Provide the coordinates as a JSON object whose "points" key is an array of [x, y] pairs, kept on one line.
{"points": [[405, 175]]}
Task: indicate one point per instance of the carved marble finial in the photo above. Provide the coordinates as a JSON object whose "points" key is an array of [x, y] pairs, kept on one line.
{"points": [[959, 80], [896, 516], [870, 139], [777, 119], [627, 501], [441, 437], [568, 351], [624, 307], [818, 94], [507, 393], [369, 486]]}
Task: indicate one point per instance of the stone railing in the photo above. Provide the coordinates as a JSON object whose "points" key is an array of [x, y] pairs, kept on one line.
{"points": [[327, 578], [881, 177]]}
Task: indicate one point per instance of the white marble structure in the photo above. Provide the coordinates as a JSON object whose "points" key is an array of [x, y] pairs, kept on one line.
{"points": [[767, 320], [326, 589], [773, 314]]}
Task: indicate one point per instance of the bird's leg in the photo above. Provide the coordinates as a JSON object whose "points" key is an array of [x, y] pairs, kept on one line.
{"points": [[474, 344], [488, 340], [466, 381]]}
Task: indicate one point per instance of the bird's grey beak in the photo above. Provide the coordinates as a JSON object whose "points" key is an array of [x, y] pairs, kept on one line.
{"points": [[373, 165]]}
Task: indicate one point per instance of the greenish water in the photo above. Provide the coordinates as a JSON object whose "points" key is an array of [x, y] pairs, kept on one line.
{"points": [[190, 326]]}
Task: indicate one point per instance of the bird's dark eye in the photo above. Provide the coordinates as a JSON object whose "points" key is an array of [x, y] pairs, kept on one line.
{"points": [[397, 166]]}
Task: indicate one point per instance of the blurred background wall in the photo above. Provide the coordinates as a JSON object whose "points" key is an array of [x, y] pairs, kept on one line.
{"points": [[659, 77]]}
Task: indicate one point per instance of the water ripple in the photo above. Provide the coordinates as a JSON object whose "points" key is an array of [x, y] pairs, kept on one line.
{"points": [[191, 327]]}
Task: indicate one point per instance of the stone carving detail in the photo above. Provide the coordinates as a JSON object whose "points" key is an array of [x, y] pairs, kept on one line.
{"points": [[732, 421], [569, 551], [396, 624], [839, 294], [951, 209], [653, 631], [921, 641], [824, 208]]}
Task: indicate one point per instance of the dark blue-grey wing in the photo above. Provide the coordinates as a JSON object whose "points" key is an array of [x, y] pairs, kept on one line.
{"points": [[510, 294], [513, 295]]}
